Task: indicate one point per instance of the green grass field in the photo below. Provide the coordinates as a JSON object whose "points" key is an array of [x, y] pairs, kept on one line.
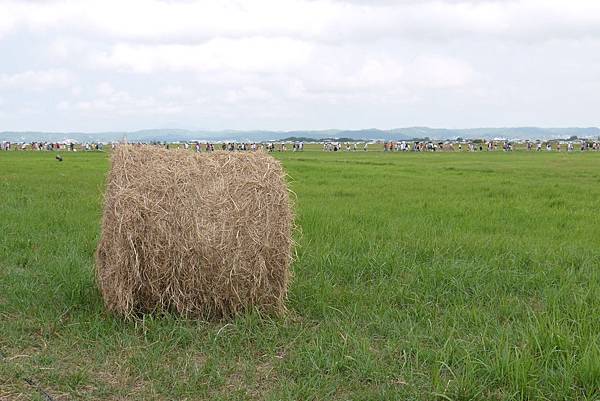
{"points": [[471, 276]]}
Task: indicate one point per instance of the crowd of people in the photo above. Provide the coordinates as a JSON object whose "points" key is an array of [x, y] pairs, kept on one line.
{"points": [[241, 146], [49, 146], [490, 146], [231, 146], [338, 146], [195, 146], [389, 146]]}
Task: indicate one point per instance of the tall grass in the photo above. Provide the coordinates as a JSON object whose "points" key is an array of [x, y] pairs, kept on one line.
{"points": [[419, 276]]}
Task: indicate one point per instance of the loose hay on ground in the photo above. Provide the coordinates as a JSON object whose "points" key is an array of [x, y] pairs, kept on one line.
{"points": [[204, 235]]}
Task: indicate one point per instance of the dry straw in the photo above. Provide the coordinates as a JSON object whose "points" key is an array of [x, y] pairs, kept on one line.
{"points": [[203, 235]]}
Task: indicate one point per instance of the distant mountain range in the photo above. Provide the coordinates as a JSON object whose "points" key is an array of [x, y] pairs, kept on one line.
{"points": [[182, 135]]}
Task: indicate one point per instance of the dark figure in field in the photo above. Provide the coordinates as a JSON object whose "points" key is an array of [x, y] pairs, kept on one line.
{"points": [[59, 158]]}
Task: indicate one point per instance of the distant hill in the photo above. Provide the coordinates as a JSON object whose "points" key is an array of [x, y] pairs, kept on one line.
{"points": [[370, 134]]}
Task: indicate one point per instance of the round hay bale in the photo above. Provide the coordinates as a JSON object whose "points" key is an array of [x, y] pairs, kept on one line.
{"points": [[203, 235]]}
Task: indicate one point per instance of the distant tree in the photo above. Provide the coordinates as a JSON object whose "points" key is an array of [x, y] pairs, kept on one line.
{"points": [[572, 138]]}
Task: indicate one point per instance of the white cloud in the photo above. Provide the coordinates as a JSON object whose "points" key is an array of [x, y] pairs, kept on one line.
{"points": [[300, 63], [251, 54], [119, 103], [76, 90], [441, 72], [193, 21], [105, 89], [175, 91], [247, 94], [36, 80]]}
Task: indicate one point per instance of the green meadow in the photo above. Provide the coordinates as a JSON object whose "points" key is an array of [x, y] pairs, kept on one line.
{"points": [[418, 276]]}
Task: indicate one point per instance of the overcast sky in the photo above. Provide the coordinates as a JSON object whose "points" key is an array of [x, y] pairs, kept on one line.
{"points": [[298, 64]]}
